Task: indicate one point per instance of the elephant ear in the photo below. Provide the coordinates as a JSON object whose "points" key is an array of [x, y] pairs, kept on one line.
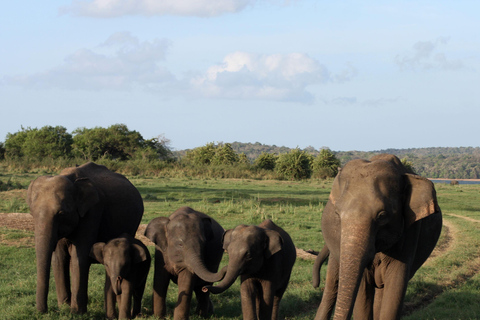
{"points": [[275, 243], [87, 195], [421, 199], [97, 251], [227, 237], [207, 228], [156, 231], [335, 193], [139, 253]]}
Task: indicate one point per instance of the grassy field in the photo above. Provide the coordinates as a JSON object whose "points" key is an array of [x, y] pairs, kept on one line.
{"points": [[447, 287]]}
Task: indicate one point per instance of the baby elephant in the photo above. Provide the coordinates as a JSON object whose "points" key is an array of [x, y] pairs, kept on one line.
{"points": [[263, 256], [127, 262]]}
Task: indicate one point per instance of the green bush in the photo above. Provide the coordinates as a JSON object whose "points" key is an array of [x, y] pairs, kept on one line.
{"points": [[266, 161], [2, 151], [294, 165], [225, 155], [325, 165], [53, 142]]}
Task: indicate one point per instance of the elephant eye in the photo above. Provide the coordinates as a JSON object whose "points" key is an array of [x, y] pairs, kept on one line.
{"points": [[248, 256], [382, 218]]}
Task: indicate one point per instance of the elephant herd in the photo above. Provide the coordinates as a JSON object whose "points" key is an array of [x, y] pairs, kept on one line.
{"points": [[380, 224]]}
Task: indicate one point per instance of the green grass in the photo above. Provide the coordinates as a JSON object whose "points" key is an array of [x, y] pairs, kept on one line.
{"points": [[296, 206]]}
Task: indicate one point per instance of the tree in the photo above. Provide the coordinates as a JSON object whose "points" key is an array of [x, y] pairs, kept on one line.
{"points": [[243, 158], [266, 161], [48, 141], [294, 165], [408, 165], [325, 164], [2, 151], [202, 155], [157, 148], [116, 142], [225, 155], [14, 144]]}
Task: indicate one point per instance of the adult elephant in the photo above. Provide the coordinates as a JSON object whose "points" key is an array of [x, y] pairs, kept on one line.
{"points": [[73, 210], [380, 224], [188, 251]]}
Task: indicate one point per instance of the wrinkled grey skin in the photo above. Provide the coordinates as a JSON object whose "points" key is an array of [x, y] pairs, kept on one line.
{"points": [[263, 256], [73, 210], [188, 250], [380, 225], [127, 262]]}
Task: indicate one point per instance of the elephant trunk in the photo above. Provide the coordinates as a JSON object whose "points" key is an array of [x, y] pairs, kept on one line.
{"points": [[230, 277], [357, 249], [45, 241], [322, 256], [117, 285], [199, 268]]}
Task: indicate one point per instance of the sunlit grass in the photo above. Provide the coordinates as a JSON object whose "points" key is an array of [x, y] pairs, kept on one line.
{"points": [[296, 207]]}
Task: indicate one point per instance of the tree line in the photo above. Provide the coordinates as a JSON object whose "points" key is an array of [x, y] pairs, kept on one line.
{"points": [[128, 150]]}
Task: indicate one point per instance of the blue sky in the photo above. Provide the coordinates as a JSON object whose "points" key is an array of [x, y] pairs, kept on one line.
{"points": [[347, 75]]}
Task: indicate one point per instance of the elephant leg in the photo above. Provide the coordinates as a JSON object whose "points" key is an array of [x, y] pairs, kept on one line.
{"points": [[377, 303], [204, 303], [137, 298], [363, 309], [61, 272], [266, 300], [110, 299], [330, 292], [396, 279], [80, 266], [249, 297], [185, 290], [125, 301], [276, 302], [161, 280]]}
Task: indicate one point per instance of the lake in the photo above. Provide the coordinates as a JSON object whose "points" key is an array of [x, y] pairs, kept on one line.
{"points": [[447, 181]]}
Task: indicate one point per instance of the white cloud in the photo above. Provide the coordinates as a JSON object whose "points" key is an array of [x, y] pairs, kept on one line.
{"points": [[131, 63], [123, 62], [425, 56], [116, 8], [281, 77]]}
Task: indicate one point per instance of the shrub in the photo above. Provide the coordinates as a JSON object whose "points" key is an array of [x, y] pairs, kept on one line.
{"points": [[266, 161], [225, 155], [53, 142], [294, 165], [325, 165]]}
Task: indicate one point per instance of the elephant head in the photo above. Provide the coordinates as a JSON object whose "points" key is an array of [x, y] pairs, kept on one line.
{"points": [[183, 239], [118, 256], [57, 205], [371, 206], [248, 247]]}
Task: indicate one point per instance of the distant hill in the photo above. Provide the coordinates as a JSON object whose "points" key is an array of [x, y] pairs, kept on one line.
{"points": [[437, 162]]}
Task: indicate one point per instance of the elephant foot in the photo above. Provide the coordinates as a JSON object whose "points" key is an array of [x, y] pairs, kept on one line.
{"points": [[205, 311], [78, 310]]}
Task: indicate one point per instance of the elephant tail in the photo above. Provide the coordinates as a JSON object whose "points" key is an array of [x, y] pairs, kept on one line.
{"points": [[321, 258]]}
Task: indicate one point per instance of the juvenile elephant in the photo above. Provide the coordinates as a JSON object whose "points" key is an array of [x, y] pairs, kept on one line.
{"points": [[73, 210], [127, 262], [380, 224], [188, 250], [263, 256]]}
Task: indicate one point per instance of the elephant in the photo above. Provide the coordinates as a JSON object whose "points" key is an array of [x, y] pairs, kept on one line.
{"points": [[73, 210], [127, 262], [188, 251], [380, 224], [263, 256]]}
